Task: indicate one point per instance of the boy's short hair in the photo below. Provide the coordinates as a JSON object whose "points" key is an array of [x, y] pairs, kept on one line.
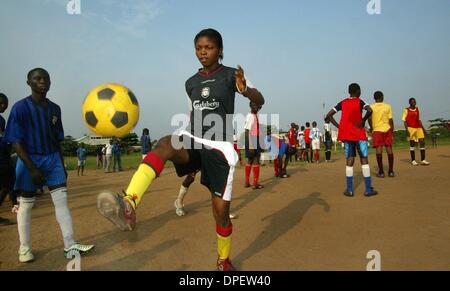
{"points": [[3, 96], [378, 95], [354, 88], [302, 128], [307, 124], [314, 123], [34, 70], [410, 99]]}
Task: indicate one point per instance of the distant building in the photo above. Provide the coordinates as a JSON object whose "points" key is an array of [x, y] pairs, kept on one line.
{"points": [[93, 140]]}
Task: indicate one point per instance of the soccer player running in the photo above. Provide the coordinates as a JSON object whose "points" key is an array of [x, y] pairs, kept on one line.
{"points": [[35, 131], [353, 135], [382, 128], [211, 91], [415, 131]]}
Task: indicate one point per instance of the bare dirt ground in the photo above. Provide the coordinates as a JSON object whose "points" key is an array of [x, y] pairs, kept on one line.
{"points": [[300, 223]]}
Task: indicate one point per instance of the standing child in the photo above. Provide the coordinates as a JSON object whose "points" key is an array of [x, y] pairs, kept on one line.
{"points": [[308, 149], [353, 135], [207, 148], [35, 131], [252, 146], [328, 140], [81, 154], [146, 144], [99, 153], [117, 156], [108, 156], [301, 142], [292, 141], [415, 132], [382, 127], [314, 135], [6, 169]]}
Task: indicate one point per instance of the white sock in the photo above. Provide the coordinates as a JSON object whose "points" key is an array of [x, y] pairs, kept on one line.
{"points": [[182, 193], [365, 170], [348, 171], [24, 223], [59, 197]]}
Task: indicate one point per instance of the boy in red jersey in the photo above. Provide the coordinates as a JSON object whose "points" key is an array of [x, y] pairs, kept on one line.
{"points": [[353, 134], [308, 151], [292, 140]]}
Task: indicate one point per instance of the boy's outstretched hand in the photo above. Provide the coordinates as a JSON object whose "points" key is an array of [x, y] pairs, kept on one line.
{"points": [[240, 79], [37, 176]]}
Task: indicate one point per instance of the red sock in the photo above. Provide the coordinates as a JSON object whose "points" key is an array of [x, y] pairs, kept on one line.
{"points": [[248, 169], [276, 164], [255, 174], [317, 155]]}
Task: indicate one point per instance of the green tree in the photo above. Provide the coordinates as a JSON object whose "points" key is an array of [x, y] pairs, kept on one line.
{"points": [[69, 146], [439, 123], [129, 141]]}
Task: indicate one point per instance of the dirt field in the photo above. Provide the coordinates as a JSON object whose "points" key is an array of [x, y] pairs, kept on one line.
{"points": [[300, 223]]}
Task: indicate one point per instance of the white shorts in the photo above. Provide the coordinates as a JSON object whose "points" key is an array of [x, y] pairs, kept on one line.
{"points": [[81, 163], [315, 144]]}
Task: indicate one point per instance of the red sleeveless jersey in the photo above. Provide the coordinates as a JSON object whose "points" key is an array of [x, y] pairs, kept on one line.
{"points": [[292, 136], [412, 118], [306, 132]]}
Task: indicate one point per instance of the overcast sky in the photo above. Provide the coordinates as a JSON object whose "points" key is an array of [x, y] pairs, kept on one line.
{"points": [[299, 54]]}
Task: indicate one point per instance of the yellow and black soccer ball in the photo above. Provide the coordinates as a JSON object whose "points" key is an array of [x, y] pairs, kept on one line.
{"points": [[111, 110]]}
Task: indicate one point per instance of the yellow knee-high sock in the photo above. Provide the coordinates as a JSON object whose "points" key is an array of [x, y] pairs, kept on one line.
{"points": [[147, 172], [224, 241], [141, 180]]}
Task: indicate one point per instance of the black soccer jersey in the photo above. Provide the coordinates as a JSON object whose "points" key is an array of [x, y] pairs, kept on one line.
{"points": [[212, 99]]}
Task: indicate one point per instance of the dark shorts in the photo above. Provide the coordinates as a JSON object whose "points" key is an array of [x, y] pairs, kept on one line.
{"points": [[307, 145], [351, 147], [7, 175], [251, 154], [216, 161], [380, 139], [292, 150]]}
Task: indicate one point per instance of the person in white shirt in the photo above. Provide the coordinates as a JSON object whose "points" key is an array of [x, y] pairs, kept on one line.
{"points": [[108, 155], [315, 141]]}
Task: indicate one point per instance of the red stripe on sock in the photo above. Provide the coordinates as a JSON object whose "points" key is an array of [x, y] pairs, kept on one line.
{"points": [[224, 231], [155, 162]]}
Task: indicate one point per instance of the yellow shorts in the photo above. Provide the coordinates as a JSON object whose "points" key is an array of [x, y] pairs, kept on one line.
{"points": [[415, 133]]}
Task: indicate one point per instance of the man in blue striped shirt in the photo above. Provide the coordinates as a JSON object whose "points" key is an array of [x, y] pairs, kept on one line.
{"points": [[35, 131]]}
